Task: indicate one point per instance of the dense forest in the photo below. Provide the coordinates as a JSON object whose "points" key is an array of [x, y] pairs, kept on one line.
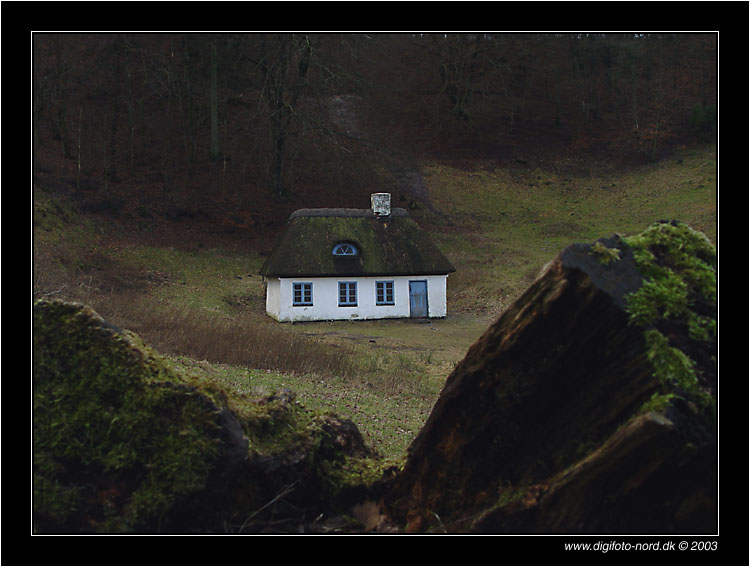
{"points": [[185, 125]]}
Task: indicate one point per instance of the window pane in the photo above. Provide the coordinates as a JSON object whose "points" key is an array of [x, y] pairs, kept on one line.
{"points": [[344, 250], [347, 293], [384, 293], [302, 294]]}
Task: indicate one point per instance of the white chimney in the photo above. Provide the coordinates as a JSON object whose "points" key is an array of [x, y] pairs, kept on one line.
{"points": [[381, 204]]}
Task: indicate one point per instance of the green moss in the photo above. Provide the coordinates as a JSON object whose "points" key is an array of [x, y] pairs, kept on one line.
{"points": [[658, 402], [351, 474], [658, 298], [679, 269], [605, 255], [678, 265], [673, 367], [125, 442], [275, 424], [702, 328], [676, 261], [396, 246], [676, 372], [113, 424]]}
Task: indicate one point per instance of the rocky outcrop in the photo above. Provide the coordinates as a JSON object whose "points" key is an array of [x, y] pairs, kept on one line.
{"points": [[124, 442], [588, 407]]}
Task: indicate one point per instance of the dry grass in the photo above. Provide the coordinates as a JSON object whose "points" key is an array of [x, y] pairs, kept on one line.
{"points": [[386, 393], [217, 338]]}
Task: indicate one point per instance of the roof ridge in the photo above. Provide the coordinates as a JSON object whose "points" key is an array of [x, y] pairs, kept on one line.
{"points": [[344, 213]]}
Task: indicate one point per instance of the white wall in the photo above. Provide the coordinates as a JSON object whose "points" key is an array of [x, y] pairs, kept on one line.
{"points": [[273, 299], [326, 298], [437, 295]]}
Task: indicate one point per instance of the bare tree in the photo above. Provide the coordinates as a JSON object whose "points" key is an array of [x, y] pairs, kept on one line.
{"points": [[284, 66]]}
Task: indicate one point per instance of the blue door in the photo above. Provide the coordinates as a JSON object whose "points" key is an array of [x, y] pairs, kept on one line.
{"points": [[418, 298]]}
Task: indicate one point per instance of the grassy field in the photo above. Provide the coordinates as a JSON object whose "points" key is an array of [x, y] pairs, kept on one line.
{"points": [[204, 305]]}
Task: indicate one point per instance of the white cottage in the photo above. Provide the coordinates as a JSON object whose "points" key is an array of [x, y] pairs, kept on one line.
{"points": [[355, 264]]}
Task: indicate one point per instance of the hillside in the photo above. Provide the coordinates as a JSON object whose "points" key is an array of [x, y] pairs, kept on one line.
{"points": [[190, 286], [590, 405]]}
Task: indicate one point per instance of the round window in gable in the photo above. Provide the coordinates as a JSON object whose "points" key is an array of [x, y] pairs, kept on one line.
{"points": [[345, 249]]}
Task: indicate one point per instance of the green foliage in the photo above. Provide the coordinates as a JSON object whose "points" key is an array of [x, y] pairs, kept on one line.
{"points": [[702, 328], [679, 269], [662, 297], [604, 254], [676, 372], [673, 367], [676, 246], [658, 402]]}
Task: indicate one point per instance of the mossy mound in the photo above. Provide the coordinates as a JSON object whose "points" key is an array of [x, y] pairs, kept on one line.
{"points": [[123, 442]]}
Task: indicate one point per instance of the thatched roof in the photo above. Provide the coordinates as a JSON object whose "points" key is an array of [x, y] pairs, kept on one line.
{"points": [[394, 246]]}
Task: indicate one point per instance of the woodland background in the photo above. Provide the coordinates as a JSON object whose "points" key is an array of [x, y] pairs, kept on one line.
{"points": [[244, 128]]}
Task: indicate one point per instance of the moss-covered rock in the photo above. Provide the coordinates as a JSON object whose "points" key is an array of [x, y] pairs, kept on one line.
{"points": [[123, 442], [587, 407]]}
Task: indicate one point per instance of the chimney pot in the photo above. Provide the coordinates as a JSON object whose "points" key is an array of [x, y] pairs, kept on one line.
{"points": [[381, 204]]}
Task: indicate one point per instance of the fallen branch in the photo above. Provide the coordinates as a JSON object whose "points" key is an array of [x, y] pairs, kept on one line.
{"points": [[287, 490]]}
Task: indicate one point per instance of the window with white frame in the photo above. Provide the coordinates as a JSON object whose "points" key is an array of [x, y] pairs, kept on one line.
{"points": [[302, 293], [384, 293], [347, 294], [345, 249]]}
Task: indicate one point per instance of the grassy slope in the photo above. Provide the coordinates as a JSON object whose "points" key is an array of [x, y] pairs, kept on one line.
{"points": [[510, 223], [499, 227]]}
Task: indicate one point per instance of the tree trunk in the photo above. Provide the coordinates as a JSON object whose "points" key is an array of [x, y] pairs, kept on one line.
{"points": [[284, 72], [214, 104]]}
